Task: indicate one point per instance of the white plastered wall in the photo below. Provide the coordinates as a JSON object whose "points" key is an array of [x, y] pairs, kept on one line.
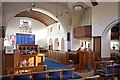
{"points": [[37, 28], [102, 16], [56, 34], [14, 8]]}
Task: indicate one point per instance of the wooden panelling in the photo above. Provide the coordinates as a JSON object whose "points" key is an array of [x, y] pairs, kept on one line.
{"points": [[86, 60], [88, 31], [3, 62], [83, 32], [45, 19], [21, 70], [27, 46], [74, 56], [59, 56], [79, 32], [7, 61], [13, 60], [33, 59]]}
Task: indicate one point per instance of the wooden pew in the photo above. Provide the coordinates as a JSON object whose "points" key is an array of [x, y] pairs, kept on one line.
{"points": [[86, 60], [38, 72], [59, 56], [21, 70]]}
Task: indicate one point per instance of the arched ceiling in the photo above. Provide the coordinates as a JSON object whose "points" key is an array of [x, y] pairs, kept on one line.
{"points": [[45, 19]]}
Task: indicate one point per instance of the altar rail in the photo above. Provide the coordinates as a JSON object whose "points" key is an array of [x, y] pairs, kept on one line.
{"points": [[59, 56]]}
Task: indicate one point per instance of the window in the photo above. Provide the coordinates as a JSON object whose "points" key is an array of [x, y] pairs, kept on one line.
{"points": [[51, 29], [25, 26], [58, 27]]}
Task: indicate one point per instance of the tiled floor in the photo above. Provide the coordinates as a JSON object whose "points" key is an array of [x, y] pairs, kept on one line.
{"points": [[90, 73], [85, 73]]}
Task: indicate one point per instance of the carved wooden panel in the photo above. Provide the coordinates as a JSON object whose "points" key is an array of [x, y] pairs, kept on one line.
{"points": [[79, 32], [88, 31], [83, 32], [59, 56], [86, 60]]}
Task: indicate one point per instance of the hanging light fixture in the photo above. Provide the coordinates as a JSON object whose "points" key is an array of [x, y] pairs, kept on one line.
{"points": [[66, 10], [31, 6], [78, 7]]}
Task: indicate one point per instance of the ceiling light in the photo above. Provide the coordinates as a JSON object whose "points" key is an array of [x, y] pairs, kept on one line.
{"points": [[78, 7]]}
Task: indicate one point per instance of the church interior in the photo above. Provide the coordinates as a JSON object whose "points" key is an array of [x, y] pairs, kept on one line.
{"points": [[60, 40]]}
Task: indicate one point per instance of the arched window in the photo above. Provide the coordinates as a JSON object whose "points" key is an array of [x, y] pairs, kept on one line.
{"points": [[25, 26]]}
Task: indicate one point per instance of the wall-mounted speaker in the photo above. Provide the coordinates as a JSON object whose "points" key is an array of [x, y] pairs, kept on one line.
{"points": [[2, 32], [68, 36]]}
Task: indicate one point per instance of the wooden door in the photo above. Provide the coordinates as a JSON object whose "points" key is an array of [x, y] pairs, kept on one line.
{"points": [[97, 47]]}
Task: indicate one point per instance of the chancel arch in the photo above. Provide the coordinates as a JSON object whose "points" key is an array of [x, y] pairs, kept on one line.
{"points": [[106, 38]]}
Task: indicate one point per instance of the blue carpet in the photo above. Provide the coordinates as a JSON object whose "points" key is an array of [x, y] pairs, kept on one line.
{"points": [[51, 65]]}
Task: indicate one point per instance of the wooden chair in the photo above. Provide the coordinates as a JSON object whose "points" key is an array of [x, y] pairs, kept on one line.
{"points": [[116, 71], [101, 65], [111, 71], [106, 73]]}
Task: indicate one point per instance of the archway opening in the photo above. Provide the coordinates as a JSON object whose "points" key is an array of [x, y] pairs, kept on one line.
{"points": [[106, 39], [50, 47], [114, 44], [56, 44]]}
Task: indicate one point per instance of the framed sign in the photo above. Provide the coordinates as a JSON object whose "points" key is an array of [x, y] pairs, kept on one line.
{"points": [[9, 50]]}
